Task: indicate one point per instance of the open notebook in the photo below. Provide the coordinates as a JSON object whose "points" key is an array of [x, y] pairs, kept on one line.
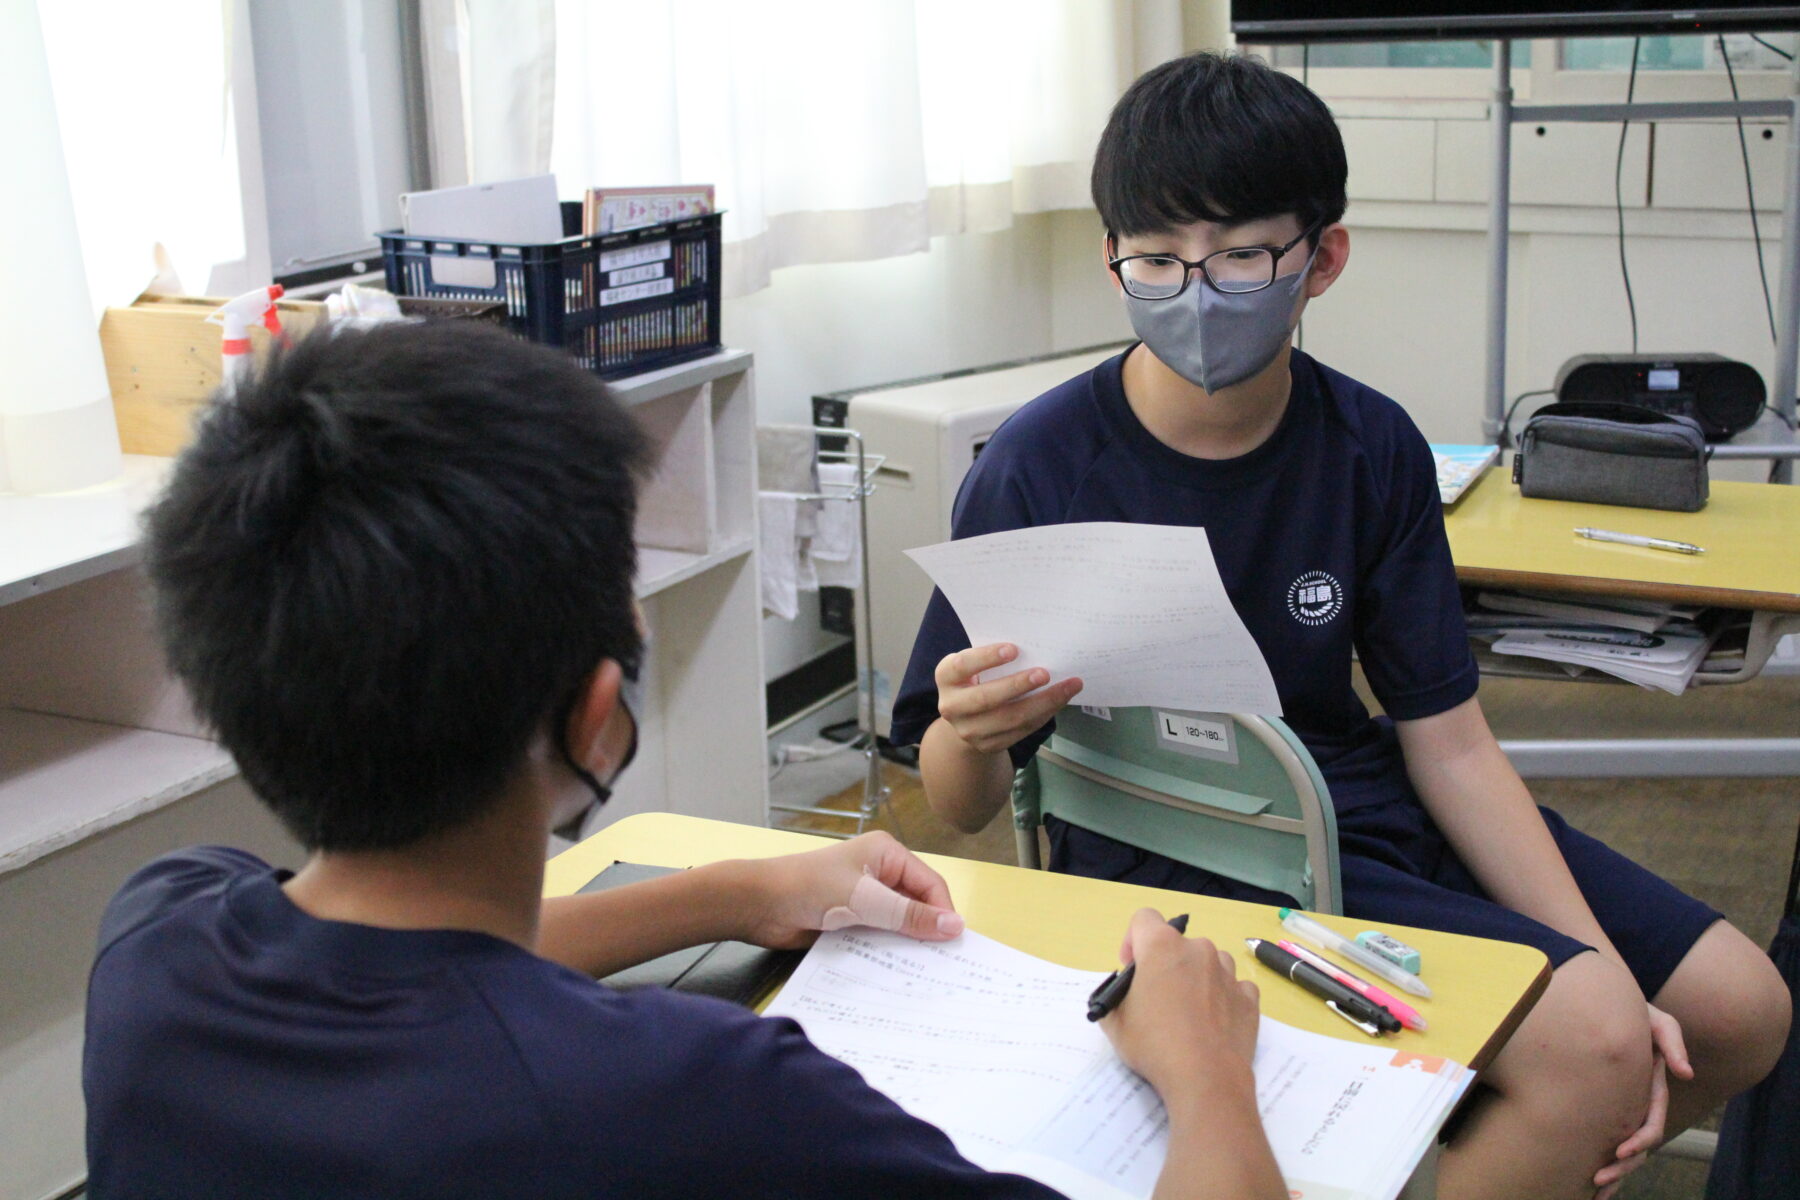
{"points": [[993, 1046]]}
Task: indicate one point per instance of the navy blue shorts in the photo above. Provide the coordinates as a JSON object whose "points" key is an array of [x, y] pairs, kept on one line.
{"points": [[1399, 869]]}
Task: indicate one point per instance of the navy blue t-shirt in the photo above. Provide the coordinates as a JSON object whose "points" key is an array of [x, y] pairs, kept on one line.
{"points": [[239, 1047], [1329, 536]]}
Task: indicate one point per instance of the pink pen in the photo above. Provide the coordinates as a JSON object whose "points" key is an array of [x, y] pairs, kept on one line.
{"points": [[1406, 1014]]}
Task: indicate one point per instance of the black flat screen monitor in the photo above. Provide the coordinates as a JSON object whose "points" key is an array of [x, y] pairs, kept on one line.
{"points": [[1266, 21]]}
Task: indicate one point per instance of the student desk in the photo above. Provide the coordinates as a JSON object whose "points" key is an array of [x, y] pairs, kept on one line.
{"points": [[1751, 534], [1483, 989]]}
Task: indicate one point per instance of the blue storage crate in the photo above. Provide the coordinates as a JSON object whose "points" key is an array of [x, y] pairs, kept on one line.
{"points": [[619, 302]]}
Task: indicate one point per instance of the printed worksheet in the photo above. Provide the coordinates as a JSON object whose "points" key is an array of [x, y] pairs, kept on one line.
{"points": [[1137, 611], [993, 1046]]}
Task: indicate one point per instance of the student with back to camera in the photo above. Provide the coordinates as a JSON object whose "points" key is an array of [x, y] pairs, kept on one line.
{"points": [[394, 571], [1220, 182]]}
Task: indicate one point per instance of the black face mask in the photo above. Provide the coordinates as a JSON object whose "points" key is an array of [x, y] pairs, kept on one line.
{"points": [[631, 699]]}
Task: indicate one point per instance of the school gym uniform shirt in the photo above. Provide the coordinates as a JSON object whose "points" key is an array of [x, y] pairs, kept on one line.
{"points": [[1329, 538], [238, 1047]]}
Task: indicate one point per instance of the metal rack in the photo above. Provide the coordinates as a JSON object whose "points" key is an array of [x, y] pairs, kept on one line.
{"points": [[833, 445]]}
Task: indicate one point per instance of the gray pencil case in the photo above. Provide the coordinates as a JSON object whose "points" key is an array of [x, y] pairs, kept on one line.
{"points": [[1613, 454]]}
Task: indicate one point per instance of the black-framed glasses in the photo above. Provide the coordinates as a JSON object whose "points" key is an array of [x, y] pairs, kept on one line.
{"points": [[1235, 271]]}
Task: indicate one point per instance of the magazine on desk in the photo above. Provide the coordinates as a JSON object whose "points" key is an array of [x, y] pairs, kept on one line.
{"points": [[1459, 466], [993, 1046]]}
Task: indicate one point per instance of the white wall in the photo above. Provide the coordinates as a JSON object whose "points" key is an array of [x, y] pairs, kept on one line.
{"points": [[973, 299]]}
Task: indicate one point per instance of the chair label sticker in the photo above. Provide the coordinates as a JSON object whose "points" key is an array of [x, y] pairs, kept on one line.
{"points": [[1206, 735]]}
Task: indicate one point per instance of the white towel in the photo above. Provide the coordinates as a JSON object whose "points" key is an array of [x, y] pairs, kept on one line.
{"points": [[785, 459], [779, 552], [836, 549]]}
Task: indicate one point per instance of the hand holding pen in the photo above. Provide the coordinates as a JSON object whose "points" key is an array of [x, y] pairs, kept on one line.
{"points": [[1112, 989], [1187, 1018]]}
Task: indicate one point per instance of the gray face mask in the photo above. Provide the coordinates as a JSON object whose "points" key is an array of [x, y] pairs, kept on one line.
{"points": [[1214, 339]]}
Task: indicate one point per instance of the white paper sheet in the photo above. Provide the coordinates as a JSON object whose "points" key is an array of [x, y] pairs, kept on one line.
{"points": [[1137, 611], [993, 1046]]}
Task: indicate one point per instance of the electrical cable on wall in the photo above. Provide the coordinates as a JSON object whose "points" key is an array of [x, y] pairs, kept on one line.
{"points": [[1619, 195], [1506, 425], [1758, 39], [1750, 192]]}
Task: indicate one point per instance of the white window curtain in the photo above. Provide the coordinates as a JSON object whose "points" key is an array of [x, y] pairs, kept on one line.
{"points": [[144, 106], [833, 131]]}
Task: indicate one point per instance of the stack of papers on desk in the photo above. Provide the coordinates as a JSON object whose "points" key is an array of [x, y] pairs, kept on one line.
{"points": [[994, 1047], [1648, 643]]}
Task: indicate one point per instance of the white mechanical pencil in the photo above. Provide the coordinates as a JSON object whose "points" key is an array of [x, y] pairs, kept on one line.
{"points": [[1309, 930], [1638, 539]]}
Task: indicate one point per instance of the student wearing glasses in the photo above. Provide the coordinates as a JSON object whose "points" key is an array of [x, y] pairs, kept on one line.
{"points": [[1220, 182]]}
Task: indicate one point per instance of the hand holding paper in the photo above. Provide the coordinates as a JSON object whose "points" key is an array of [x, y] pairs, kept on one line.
{"points": [[990, 709], [1137, 611], [870, 880]]}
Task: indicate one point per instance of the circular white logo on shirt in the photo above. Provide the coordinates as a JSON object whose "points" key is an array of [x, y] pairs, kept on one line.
{"points": [[1315, 598]]}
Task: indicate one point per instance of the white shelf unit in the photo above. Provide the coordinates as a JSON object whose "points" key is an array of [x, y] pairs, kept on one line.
{"points": [[102, 766], [702, 747]]}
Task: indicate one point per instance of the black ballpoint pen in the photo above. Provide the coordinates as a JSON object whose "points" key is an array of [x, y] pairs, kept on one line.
{"points": [[1360, 1011], [1112, 989]]}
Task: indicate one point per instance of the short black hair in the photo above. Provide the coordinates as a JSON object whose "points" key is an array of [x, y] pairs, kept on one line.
{"points": [[385, 564], [1222, 138]]}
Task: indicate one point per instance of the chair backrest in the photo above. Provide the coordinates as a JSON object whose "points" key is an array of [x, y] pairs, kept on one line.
{"points": [[1226, 792]]}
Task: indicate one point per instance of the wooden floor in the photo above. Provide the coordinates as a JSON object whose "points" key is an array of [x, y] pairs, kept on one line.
{"points": [[1728, 842]]}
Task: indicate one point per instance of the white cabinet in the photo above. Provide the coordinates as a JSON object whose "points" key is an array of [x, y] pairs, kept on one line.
{"points": [[102, 766]]}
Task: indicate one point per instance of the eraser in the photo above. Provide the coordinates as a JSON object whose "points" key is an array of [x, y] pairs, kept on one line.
{"points": [[1390, 948]]}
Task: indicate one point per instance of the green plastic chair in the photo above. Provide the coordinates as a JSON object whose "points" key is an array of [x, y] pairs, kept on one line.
{"points": [[1231, 793]]}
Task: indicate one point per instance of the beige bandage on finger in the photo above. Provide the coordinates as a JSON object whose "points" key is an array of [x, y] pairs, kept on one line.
{"points": [[871, 903]]}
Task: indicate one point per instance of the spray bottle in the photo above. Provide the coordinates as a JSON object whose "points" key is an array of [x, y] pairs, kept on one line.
{"points": [[257, 307]]}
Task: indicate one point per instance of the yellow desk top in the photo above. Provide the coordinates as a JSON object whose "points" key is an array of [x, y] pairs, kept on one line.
{"points": [[1750, 531], [1483, 989]]}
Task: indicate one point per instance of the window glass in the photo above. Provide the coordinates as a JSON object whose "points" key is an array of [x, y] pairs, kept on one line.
{"points": [[1400, 54], [1696, 52]]}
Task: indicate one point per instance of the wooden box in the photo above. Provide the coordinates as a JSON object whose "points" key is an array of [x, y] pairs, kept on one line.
{"points": [[162, 362]]}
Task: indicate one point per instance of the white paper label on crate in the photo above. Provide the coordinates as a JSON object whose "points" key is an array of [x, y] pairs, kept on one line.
{"points": [[637, 291], [631, 256], [1097, 710], [1207, 735], [455, 270], [653, 270]]}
